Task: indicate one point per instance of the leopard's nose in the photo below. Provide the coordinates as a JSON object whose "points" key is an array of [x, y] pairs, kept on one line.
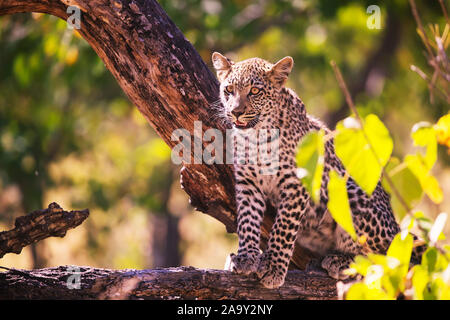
{"points": [[237, 113]]}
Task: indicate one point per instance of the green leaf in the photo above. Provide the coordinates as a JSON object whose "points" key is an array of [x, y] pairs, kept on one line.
{"points": [[424, 135], [419, 281], [417, 165], [378, 259], [310, 157], [379, 138], [401, 249], [406, 183], [338, 204], [434, 261], [429, 259], [442, 129], [420, 164], [361, 264], [360, 291], [363, 151]]}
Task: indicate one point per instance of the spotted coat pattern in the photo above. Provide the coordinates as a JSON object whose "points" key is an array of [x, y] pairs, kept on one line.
{"points": [[254, 97]]}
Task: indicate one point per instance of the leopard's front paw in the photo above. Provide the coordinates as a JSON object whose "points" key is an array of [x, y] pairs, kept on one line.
{"points": [[242, 263], [271, 273], [335, 264]]}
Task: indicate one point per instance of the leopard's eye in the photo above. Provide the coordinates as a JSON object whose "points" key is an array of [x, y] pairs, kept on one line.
{"points": [[254, 90], [229, 89]]}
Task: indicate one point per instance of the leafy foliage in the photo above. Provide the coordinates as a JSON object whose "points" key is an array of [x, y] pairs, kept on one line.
{"points": [[365, 150], [370, 144], [310, 162], [338, 203]]}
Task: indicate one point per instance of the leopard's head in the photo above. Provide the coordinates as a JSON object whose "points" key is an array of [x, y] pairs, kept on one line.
{"points": [[250, 88]]}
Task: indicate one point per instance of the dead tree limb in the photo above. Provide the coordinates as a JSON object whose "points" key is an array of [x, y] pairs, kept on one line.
{"points": [[71, 282], [38, 225]]}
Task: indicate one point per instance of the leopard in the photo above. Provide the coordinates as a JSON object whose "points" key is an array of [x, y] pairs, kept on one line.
{"points": [[254, 96]]}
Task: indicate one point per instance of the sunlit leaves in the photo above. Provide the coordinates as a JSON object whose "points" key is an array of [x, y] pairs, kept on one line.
{"points": [[400, 249], [383, 278], [425, 224], [420, 164], [442, 128], [360, 291], [310, 157], [406, 183], [430, 185], [363, 148], [338, 204], [387, 276], [431, 279], [419, 281], [360, 265], [424, 135]]}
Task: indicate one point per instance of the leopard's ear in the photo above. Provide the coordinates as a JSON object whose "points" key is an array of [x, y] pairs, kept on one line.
{"points": [[222, 65], [280, 71]]}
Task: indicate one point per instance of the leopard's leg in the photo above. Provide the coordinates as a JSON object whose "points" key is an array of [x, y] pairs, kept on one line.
{"points": [[336, 263], [250, 207], [293, 203]]}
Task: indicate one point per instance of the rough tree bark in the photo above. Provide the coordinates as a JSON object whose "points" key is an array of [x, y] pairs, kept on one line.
{"points": [[166, 79], [38, 225], [169, 283]]}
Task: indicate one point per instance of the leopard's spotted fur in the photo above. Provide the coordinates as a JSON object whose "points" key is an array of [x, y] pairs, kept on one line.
{"points": [[275, 106]]}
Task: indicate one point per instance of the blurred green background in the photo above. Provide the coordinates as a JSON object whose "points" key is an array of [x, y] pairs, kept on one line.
{"points": [[68, 134]]}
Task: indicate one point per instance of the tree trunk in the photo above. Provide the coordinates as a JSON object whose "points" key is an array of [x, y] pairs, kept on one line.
{"points": [[72, 282], [164, 76]]}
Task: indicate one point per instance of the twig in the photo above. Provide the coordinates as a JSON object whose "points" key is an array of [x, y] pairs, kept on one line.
{"points": [[444, 10], [420, 26], [345, 90], [424, 76], [433, 59]]}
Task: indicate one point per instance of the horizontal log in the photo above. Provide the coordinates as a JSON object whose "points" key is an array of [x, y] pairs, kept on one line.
{"points": [[74, 282]]}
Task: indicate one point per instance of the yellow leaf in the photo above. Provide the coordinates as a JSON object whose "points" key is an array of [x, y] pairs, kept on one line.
{"points": [[338, 204], [442, 129]]}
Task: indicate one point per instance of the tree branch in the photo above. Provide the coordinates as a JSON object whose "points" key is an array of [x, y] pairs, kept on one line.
{"points": [[38, 225], [169, 283]]}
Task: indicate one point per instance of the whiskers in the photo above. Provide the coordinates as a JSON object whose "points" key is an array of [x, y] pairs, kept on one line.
{"points": [[218, 114], [225, 119], [248, 117], [253, 121]]}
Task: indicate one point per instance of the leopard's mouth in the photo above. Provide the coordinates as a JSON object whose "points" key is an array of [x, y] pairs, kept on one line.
{"points": [[242, 124]]}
